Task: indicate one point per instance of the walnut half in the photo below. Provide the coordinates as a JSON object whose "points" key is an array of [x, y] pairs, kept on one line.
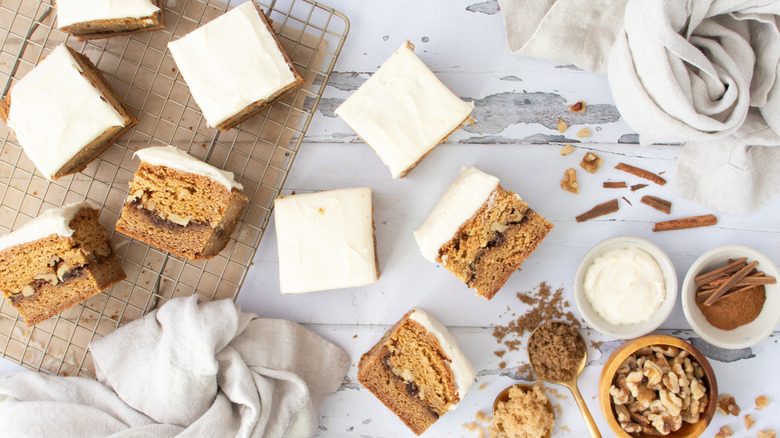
{"points": [[569, 181]]}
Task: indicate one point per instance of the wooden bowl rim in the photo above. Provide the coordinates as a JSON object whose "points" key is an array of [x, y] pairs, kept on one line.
{"points": [[628, 348]]}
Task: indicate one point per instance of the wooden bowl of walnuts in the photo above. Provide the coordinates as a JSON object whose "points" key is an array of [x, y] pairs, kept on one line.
{"points": [[658, 385]]}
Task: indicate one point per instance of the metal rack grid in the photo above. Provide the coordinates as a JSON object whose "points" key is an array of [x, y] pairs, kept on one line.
{"points": [[260, 152]]}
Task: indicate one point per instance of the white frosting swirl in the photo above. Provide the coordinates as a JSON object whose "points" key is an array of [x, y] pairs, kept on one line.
{"points": [[624, 286]]}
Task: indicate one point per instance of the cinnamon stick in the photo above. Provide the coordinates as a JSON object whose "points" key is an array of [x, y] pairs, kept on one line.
{"points": [[599, 210], [686, 222], [636, 187], [704, 295], [742, 273], [629, 202], [659, 204], [731, 267], [614, 184], [641, 173]]}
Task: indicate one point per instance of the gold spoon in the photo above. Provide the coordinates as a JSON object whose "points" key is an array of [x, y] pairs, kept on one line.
{"points": [[571, 383], [503, 396]]}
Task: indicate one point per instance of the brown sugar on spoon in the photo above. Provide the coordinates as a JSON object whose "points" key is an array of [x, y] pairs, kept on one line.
{"points": [[556, 349]]}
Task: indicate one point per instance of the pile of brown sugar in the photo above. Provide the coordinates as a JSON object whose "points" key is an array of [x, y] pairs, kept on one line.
{"points": [[555, 350], [525, 414], [545, 305]]}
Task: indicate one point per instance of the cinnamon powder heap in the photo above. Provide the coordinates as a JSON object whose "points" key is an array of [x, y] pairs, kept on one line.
{"points": [[545, 305], [735, 309]]}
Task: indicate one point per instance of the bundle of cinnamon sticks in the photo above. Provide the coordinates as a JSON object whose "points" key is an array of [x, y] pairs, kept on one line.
{"points": [[736, 276]]}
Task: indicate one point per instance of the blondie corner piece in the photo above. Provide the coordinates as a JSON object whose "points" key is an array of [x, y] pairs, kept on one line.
{"points": [[403, 111], [56, 261], [181, 204], [417, 370], [235, 66], [481, 232], [64, 114], [97, 19], [326, 240]]}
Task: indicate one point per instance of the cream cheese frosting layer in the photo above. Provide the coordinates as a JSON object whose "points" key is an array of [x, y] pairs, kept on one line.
{"points": [[460, 365], [231, 62], [81, 11], [325, 240], [55, 112], [175, 158], [462, 199], [403, 110], [52, 221]]}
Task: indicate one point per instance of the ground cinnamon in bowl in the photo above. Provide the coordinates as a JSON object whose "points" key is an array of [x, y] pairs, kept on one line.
{"points": [[555, 350], [735, 309]]}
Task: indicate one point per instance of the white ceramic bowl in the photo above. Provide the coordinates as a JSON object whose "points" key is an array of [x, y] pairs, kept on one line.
{"points": [[626, 331], [749, 334]]}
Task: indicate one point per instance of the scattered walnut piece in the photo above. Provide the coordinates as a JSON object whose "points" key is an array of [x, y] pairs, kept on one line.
{"points": [[724, 432], [762, 401], [584, 132], [591, 162], [566, 150], [749, 421], [766, 434], [727, 405], [578, 107], [562, 126], [569, 181]]}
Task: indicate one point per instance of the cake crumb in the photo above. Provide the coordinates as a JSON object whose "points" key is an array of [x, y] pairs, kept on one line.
{"points": [[584, 132], [749, 421], [482, 386], [500, 353], [766, 434], [483, 425], [762, 401], [502, 365], [566, 150], [562, 126]]}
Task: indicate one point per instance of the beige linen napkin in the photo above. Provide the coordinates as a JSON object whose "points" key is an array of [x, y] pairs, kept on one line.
{"points": [[702, 72], [188, 369]]}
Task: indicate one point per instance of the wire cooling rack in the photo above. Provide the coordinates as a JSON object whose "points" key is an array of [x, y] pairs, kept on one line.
{"points": [[260, 152]]}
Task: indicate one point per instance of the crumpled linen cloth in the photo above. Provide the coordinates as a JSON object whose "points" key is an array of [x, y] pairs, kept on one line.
{"points": [[188, 369], [702, 72]]}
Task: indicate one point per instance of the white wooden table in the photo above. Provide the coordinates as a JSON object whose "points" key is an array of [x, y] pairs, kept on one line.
{"points": [[518, 102]]}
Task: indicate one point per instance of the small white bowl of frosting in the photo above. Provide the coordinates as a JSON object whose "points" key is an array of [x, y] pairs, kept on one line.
{"points": [[625, 287]]}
